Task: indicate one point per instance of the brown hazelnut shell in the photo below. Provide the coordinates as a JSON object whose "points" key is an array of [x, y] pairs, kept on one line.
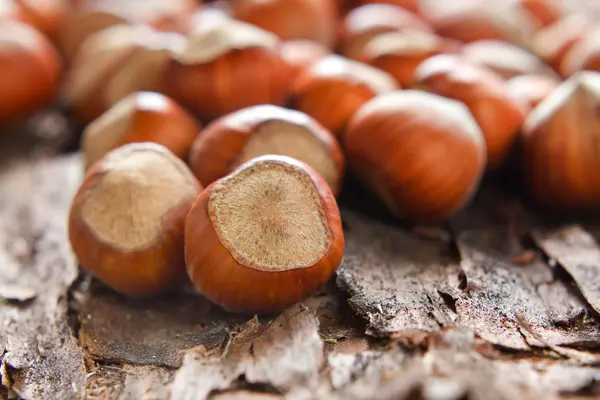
{"points": [[337, 80], [291, 19], [237, 76], [506, 59], [484, 20], [400, 53], [144, 272], [219, 277], [216, 151], [29, 71], [485, 93], [367, 21], [151, 117], [423, 154], [560, 138]]}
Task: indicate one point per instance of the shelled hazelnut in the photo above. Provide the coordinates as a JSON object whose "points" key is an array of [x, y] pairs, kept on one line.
{"points": [[485, 93], [236, 138], [532, 89], [228, 67], [423, 154], [505, 58], [91, 16], [140, 117], [552, 43], [561, 157], [333, 88], [300, 54], [126, 223], [400, 53], [115, 62], [583, 55], [265, 237], [365, 22], [29, 71], [481, 20], [291, 19]]}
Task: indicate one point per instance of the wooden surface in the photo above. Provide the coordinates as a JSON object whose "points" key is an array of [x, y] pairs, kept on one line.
{"points": [[494, 306]]}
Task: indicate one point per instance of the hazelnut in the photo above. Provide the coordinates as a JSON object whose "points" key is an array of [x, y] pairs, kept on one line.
{"points": [[423, 154], [333, 88], [29, 71], [583, 55], [552, 43], [365, 22], [115, 62], [560, 151], [290, 19], [126, 222], [91, 16], [532, 89], [265, 237], [485, 93], [300, 54], [227, 67], [260, 130], [480, 20], [140, 117], [504, 58], [400, 53]]}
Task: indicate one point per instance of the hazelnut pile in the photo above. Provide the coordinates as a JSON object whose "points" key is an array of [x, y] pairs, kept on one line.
{"points": [[216, 134]]}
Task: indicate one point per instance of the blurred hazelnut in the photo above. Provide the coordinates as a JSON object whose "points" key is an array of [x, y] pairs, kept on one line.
{"points": [[423, 154], [561, 156], [479, 20], [29, 71], [546, 12], [333, 89], [583, 55], [92, 16], [236, 138], [485, 93], [532, 89], [140, 117], [115, 62], [228, 67], [300, 54], [365, 22], [45, 15], [554, 42], [400, 53], [126, 223], [504, 58], [291, 19]]}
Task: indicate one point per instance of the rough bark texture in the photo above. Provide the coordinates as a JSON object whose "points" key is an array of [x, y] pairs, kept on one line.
{"points": [[494, 306]]}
